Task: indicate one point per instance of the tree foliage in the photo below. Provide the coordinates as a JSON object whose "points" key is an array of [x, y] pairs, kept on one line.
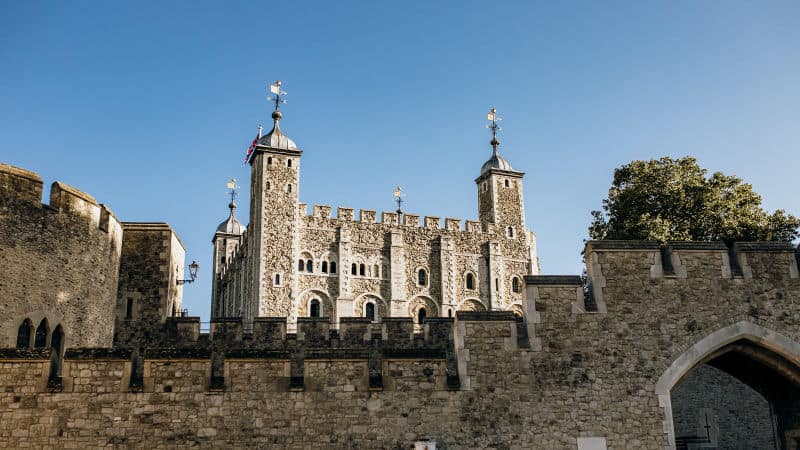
{"points": [[673, 200]]}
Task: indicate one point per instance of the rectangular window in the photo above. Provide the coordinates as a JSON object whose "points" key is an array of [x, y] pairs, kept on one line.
{"points": [[129, 309]]}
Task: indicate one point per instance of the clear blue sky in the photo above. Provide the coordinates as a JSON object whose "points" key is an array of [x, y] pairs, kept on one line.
{"points": [[149, 106]]}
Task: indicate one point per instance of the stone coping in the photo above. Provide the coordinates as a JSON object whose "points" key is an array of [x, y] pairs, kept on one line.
{"points": [[97, 353], [25, 353], [227, 320], [57, 185], [270, 319], [690, 245], [177, 353], [184, 319], [622, 245], [486, 316], [252, 353], [763, 247], [553, 280], [414, 353], [20, 172], [364, 320]]}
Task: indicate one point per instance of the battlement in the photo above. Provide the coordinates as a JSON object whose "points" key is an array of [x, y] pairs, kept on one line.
{"points": [[615, 267], [389, 218], [20, 183]]}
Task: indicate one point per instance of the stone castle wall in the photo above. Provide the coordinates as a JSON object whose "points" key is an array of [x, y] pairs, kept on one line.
{"points": [[60, 261], [562, 376]]}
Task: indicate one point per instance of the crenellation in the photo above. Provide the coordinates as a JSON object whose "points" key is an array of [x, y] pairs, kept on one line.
{"points": [[411, 220], [345, 214], [432, 222], [390, 218], [322, 211], [366, 216], [20, 184], [473, 226], [452, 224]]}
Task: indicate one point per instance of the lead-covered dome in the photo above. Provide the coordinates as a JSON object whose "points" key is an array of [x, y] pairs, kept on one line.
{"points": [[231, 225], [275, 138], [496, 162]]}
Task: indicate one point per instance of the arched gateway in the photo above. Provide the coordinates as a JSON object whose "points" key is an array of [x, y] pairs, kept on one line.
{"points": [[744, 370]]}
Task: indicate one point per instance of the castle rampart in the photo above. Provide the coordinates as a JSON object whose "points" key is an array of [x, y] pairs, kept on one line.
{"points": [[60, 262], [481, 379]]}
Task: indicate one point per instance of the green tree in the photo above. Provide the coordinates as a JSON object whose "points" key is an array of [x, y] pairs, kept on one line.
{"points": [[673, 200]]}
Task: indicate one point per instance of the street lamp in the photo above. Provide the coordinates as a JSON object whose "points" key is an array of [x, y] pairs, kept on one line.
{"points": [[193, 267]]}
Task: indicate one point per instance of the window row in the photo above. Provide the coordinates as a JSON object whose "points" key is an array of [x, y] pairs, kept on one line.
{"points": [[287, 188], [364, 270], [307, 265], [469, 281], [288, 161], [28, 337]]}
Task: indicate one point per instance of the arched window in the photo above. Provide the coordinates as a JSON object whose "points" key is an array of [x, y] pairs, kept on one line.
{"points": [[324, 266], [277, 279], [515, 284], [421, 315], [289, 188], [353, 269], [314, 308], [57, 339], [369, 311], [301, 265], [362, 269], [269, 186], [309, 266], [422, 277], [40, 341], [333, 267], [24, 334], [507, 183], [269, 160], [289, 162], [511, 232], [470, 281]]}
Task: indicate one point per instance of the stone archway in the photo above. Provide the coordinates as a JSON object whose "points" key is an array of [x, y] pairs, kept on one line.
{"points": [[425, 303], [327, 307], [471, 304], [734, 350], [359, 306]]}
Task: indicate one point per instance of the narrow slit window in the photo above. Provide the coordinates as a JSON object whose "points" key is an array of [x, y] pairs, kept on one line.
{"points": [[422, 277], [129, 309], [370, 311], [515, 284], [470, 281], [314, 308]]}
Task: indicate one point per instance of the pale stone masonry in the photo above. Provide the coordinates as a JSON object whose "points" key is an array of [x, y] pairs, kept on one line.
{"points": [[286, 259]]}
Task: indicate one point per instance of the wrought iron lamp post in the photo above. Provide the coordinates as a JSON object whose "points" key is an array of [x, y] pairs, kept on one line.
{"points": [[193, 267]]}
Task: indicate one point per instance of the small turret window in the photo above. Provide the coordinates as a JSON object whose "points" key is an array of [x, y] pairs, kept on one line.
{"points": [[470, 281], [269, 186], [277, 279], [333, 267], [289, 188], [301, 265], [510, 232], [515, 284], [324, 266], [129, 309], [289, 162], [269, 160], [508, 184], [309, 266], [353, 269], [422, 277], [362, 269]]}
